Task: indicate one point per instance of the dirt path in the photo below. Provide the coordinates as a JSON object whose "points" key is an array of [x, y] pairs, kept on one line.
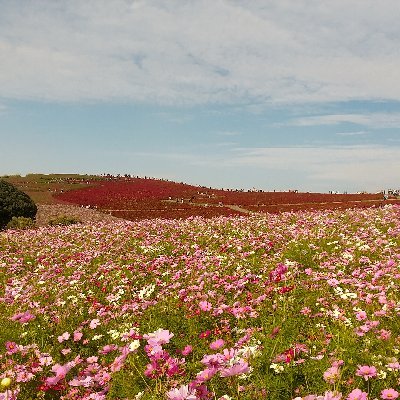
{"points": [[240, 209], [47, 212]]}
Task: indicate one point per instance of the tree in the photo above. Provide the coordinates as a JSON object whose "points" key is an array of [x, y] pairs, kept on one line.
{"points": [[14, 203]]}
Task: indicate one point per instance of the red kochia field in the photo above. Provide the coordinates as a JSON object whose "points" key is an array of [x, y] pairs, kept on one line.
{"points": [[138, 198]]}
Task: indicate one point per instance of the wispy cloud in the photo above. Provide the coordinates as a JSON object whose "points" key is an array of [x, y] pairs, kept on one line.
{"points": [[175, 118], [199, 52], [358, 133], [371, 120], [359, 167], [229, 133]]}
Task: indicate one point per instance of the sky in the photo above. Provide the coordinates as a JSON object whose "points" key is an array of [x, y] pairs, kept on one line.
{"points": [[271, 94]]}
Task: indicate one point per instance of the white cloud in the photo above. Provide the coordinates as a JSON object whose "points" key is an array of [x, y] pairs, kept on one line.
{"points": [[199, 52], [229, 133], [358, 133], [371, 120], [354, 167]]}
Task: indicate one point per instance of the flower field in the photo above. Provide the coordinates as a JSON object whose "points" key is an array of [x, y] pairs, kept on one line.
{"points": [[137, 198], [301, 305]]}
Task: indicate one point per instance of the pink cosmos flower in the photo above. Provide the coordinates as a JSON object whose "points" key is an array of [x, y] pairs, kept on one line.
{"points": [[152, 349], [228, 354], [330, 396], [85, 382], [217, 344], [187, 350], [361, 315], [77, 336], [63, 337], [94, 323], [23, 317], [393, 366], [60, 371], [389, 394], [384, 334], [10, 394], [108, 348], [183, 393], [205, 375], [331, 375], [11, 348], [213, 360], [45, 359], [366, 372], [159, 337], [357, 394], [236, 369], [205, 305]]}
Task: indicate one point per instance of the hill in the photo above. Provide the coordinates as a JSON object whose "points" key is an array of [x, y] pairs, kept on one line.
{"points": [[136, 198]]}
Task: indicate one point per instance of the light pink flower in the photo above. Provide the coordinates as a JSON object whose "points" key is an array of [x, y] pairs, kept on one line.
{"points": [[331, 375], [60, 371], [206, 375], [205, 305], [183, 393], [77, 336], [213, 360], [94, 323], [217, 344], [108, 349], [361, 315], [23, 317], [63, 337], [159, 337], [330, 396], [236, 369], [357, 394], [389, 394], [394, 366], [45, 359]]}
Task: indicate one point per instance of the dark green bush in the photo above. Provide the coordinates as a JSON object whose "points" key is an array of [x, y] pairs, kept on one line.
{"points": [[21, 223], [14, 203], [64, 220]]}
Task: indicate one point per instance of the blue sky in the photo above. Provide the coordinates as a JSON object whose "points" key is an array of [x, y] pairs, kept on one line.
{"points": [[298, 94]]}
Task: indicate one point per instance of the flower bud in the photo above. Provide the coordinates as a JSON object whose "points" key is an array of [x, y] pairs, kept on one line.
{"points": [[5, 383]]}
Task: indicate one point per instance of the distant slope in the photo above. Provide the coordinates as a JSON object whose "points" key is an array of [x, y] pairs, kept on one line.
{"points": [[137, 198]]}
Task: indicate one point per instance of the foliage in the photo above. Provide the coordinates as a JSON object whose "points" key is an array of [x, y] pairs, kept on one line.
{"points": [[14, 203], [137, 199], [63, 220], [292, 306], [21, 223]]}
